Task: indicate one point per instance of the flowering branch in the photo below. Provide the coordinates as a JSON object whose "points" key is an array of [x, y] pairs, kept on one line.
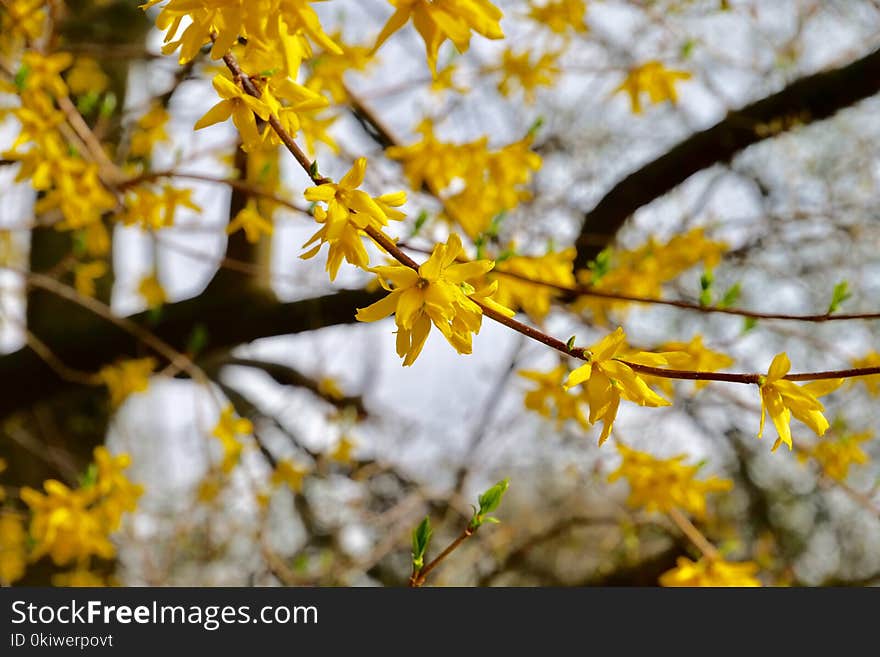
{"points": [[397, 253]]}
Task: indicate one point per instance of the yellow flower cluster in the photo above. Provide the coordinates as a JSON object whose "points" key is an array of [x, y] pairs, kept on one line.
{"points": [[287, 23], [21, 21], [642, 272], [349, 211], [781, 399], [560, 16], [440, 20], [13, 547], [68, 182], [148, 131], [665, 484], [154, 207], [126, 378], [227, 431], [550, 400], [693, 355], [526, 72], [654, 79], [516, 292], [711, 573], [492, 182], [289, 473], [279, 36], [872, 382], [327, 70], [442, 292], [280, 97], [72, 525], [837, 455]]}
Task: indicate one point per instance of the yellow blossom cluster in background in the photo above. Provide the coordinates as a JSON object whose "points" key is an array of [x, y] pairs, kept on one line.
{"points": [[662, 485], [72, 525], [641, 272], [707, 572], [126, 378], [654, 79], [514, 276], [493, 180]]}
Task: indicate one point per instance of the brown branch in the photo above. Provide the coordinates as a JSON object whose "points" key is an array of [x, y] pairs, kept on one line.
{"points": [[418, 578], [809, 99], [229, 320], [694, 535], [288, 376]]}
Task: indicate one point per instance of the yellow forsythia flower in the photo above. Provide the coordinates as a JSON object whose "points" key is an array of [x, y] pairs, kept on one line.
{"points": [[654, 79], [227, 429], [664, 484], [13, 547], [71, 525], [349, 211], [693, 355], [87, 76], [126, 378], [517, 292], [641, 272], [440, 292], [289, 473], [608, 380], [251, 222], [344, 451], [711, 573], [524, 71], [85, 274], [148, 131], [152, 291], [79, 577], [560, 16], [327, 72], [439, 20], [263, 21], [872, 382], [781, 399], [494, 180], [550, 400], [241, 106], [154, 210], [836, 455]]}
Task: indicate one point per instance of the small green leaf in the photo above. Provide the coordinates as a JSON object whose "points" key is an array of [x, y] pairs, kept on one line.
{"points": [[840, 294], [21, 77], [506, 254], [88, 478], [687, 48], [85, 104], [489, 502], [108, 105], [421, 220], [706, 281], [198, 340], [600, 266], [313, 169], [570, 342], [748, 324], [421, 537], [731, 296], [533, 129]]}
